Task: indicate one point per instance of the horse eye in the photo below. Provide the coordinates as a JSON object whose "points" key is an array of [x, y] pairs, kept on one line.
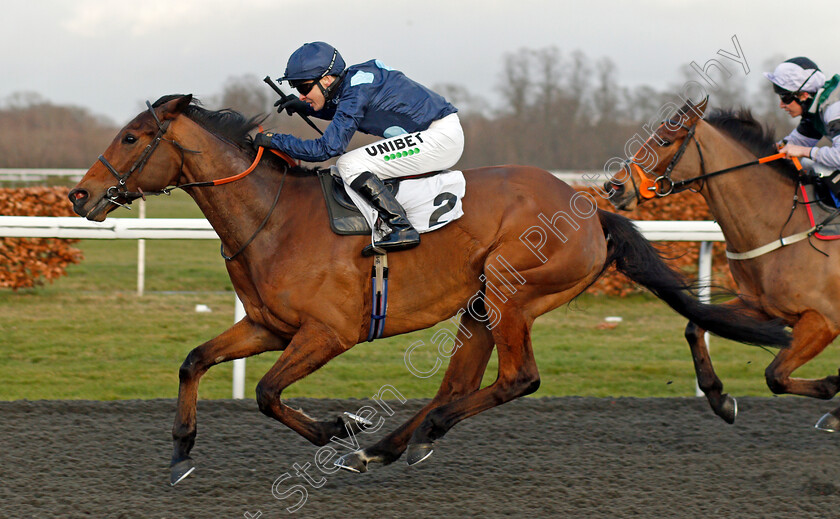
{"points": [[129, 139], [665, 143]]}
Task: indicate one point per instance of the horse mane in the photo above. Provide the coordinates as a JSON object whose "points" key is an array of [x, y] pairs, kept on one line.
{"points": [[756, 137], [231, 126]]}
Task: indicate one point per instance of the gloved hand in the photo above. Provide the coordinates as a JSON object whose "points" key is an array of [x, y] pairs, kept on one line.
{"points": [[292, 104], [809, 176], [263, 140]]}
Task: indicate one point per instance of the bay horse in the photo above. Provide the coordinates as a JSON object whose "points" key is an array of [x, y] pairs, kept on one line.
{"points": [[751, 200], [307, 291]]}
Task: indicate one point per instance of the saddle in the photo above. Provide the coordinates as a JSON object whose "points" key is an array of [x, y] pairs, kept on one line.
{"points": [[820, 205], [345, 217]]}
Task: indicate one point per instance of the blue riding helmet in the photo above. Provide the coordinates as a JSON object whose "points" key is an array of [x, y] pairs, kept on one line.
{"points": [[313, 61]]}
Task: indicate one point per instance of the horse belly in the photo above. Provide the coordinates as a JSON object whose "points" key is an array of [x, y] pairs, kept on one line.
{"points": [[427, 290]]}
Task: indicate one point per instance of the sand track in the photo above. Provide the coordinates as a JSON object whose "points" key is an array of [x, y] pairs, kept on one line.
{"points": [[549, 457]]}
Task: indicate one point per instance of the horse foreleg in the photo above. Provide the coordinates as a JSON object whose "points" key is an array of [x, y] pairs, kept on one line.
{"points": [[311, 347], [722, 404], [463, 376], [518, 376], [811, 334], [242, 340]]}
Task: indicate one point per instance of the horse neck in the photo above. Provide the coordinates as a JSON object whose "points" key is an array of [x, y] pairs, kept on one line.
{"points": [[751, 204], [236, 209]]}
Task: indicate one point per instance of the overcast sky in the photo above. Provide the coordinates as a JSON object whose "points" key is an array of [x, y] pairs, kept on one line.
{"points": [[109, 56]]}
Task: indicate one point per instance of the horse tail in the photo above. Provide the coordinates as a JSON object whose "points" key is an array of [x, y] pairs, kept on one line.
{"points": [[635, 257]]}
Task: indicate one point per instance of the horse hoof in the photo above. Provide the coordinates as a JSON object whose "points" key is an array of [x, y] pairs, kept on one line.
{"points": [[728, 409], [352, 462], [418, 452], [828, 423], [359, 420], [181, 470]]}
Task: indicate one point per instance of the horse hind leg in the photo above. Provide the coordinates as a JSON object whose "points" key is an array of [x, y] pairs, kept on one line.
{"points": [[243, 339], [463, 377], [518, 376], [811, 334], [829, 422]]}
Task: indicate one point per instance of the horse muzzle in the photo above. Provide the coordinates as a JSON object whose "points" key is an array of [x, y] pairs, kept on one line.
{"points": [[613, 190], [618, 196], [83, 205]]}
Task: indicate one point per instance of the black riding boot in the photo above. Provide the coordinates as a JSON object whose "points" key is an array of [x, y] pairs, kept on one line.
{"points": [[402, 235]]}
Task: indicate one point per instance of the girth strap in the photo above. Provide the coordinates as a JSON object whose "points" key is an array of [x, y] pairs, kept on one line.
{"points": [[778, 244], [379, 303], [783, 242]]}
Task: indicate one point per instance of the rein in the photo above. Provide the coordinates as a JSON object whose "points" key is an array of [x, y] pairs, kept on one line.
{"points": [[120, 190], [221, 181], [756, 162]]}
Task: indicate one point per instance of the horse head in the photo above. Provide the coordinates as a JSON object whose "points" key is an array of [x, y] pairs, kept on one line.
{"points": [[140, 159], [655, 167]]}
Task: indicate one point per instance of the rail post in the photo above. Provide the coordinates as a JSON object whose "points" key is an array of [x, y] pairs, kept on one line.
{"points": [[238, 364], [704, 276]]}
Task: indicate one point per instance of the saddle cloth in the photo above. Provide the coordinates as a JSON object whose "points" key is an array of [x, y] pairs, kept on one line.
{"points": [[430, 202], [821, 205]]}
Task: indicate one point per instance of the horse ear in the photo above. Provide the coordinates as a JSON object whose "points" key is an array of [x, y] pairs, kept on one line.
{"points": [[171, 109], [692, 112]]}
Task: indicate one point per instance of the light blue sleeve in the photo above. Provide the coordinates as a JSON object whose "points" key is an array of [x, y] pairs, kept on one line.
{"points": [[829, 155], [797, 138]]}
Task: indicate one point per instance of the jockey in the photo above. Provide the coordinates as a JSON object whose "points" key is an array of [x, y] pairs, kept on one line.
{"points": [[803, 91], [418, 124]]}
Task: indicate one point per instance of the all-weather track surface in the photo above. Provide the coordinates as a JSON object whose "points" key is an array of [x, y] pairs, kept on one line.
{"points": [[535, 457]]}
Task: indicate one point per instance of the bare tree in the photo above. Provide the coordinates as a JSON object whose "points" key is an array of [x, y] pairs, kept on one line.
{"points": [[516, 81], [726, 86], [466, 103], [642, 103], [246, 94], [34, 133], [606, 96]]}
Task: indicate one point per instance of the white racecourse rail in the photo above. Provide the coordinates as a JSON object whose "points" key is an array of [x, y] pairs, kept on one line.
{"points": [[199, 229]]}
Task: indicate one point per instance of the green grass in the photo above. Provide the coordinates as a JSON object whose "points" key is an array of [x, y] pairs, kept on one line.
{"points": [[87, 336]]}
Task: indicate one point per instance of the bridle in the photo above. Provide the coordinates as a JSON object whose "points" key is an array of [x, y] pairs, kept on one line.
{"points": [[663, 185], [681, 185], [115, 192], [120, 190]]}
